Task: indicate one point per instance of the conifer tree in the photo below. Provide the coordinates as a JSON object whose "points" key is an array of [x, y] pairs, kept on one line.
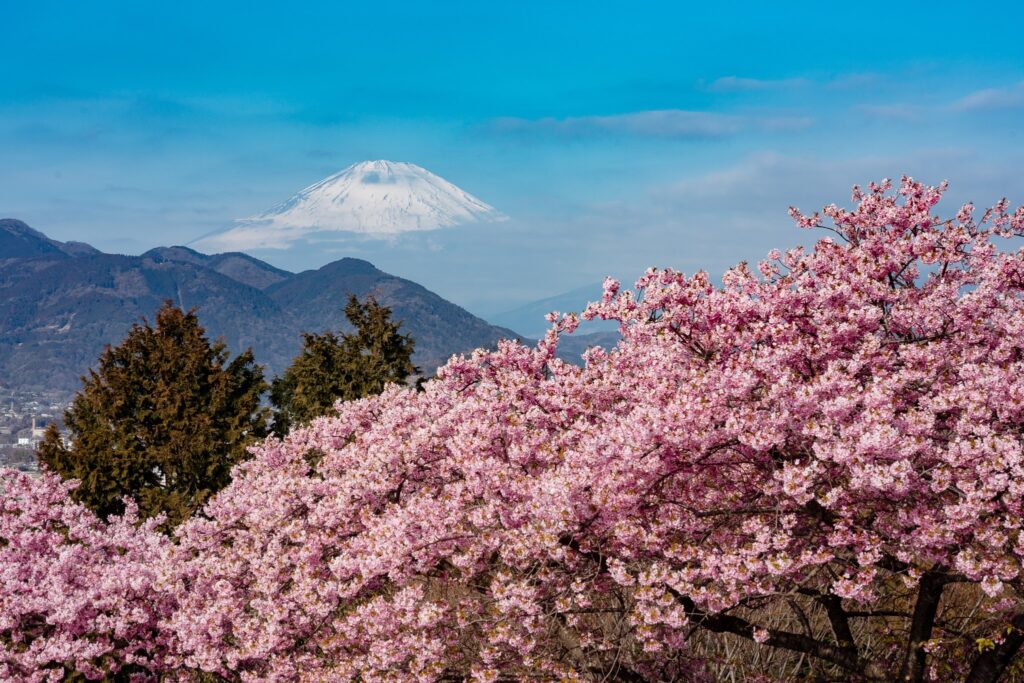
{"points": [[162, 419], [335, 366]]}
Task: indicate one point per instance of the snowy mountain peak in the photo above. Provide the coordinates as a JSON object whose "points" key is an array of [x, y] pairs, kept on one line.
{"points": [[372, 198]]}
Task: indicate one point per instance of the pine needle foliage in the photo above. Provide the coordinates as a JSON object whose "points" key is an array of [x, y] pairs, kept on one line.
{"points": [[337, 366], [162, 420]]}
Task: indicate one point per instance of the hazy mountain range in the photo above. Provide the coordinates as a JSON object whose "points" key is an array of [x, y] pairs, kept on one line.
{"points": [[60, 303], [528, 319]]}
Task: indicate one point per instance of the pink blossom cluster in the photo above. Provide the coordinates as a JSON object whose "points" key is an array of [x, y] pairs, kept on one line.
{"points": [[76, 594], [843, 424]]}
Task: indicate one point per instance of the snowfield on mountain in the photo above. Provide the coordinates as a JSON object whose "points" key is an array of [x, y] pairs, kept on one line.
{"points": [[371, 198]]}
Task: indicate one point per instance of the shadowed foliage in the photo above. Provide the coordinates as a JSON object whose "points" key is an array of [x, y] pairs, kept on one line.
{"points": [[343, 366], [162, 420]]}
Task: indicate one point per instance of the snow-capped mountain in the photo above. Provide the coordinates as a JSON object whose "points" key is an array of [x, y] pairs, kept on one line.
{"points": [[370, 198]]}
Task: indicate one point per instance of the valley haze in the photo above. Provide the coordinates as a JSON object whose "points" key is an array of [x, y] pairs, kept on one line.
{"points": [[62, 302]]}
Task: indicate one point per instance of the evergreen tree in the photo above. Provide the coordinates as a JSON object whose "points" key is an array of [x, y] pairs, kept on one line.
{"points": [[162, 420], [343, 366]]}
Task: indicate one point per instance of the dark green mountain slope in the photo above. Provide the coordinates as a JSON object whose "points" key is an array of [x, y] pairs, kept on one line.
{"points": [[60, 303], [439, 327], [235, 265]]}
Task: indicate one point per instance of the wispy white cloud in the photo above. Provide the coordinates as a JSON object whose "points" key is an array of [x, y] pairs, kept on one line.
{"points": [[731, 84], [711, 220], [987, 99], [1010, 97], [664, 123], [738, 84], [764, 184], [854, 81], [893, 112]]}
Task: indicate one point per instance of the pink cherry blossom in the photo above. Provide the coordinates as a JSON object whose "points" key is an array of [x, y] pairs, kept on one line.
{"points": [[821, 457], [77, 594]]}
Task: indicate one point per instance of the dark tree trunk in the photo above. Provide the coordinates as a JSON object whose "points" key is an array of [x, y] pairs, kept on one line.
{"points": [[990, 665], [929, 594]]}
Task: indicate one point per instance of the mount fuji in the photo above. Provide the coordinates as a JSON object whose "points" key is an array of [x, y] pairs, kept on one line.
{"points": [[375, 199]]}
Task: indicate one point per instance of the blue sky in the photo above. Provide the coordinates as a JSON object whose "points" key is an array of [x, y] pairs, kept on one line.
{"points": [[615, 136]]}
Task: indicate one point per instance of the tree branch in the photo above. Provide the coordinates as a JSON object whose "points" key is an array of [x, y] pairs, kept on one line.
{"points": [[839, 621], [846, 658]]}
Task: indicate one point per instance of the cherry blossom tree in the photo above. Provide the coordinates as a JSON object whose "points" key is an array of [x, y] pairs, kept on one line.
{"points": [[77, 595], [822, 458], [814, 467]]}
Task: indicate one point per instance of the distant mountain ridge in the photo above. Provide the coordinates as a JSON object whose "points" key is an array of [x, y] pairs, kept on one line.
{"points": [[18, 240], [60, 303], [236, 265], [529, 319]]}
